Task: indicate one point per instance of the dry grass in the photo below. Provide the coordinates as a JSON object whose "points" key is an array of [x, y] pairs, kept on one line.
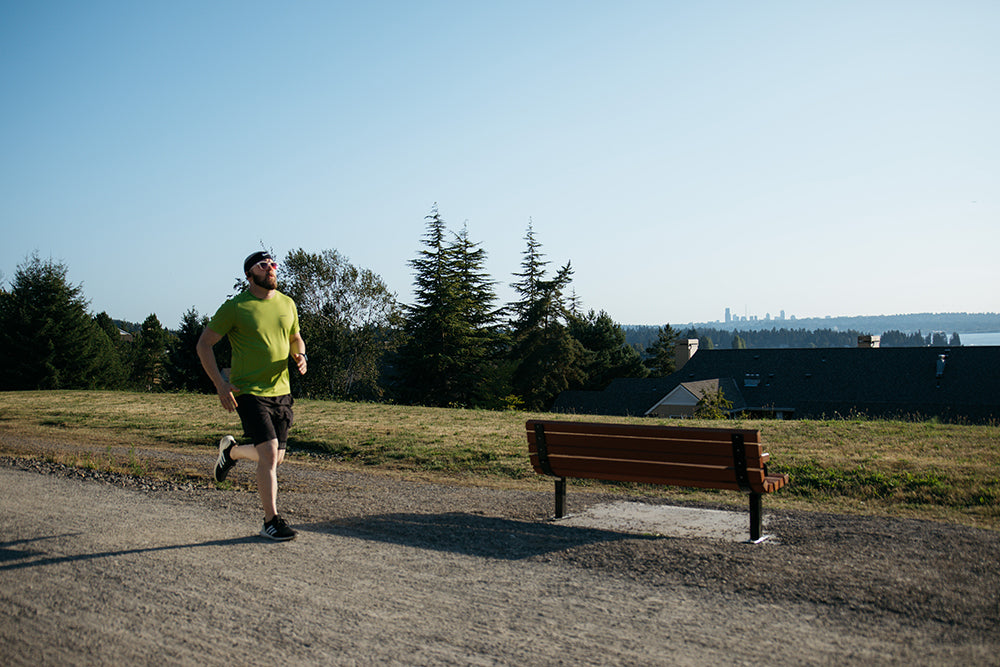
{"points": [[928, 470]]}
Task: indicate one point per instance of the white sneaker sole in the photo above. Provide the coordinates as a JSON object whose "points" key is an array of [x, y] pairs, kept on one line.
{"points": [[223, 445]]}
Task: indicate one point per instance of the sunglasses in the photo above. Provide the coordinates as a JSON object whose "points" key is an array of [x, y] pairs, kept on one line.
{"points": [[265, 264]]}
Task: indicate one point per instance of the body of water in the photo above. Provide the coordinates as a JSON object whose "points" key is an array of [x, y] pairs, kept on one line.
{"points": [[980, 338]]}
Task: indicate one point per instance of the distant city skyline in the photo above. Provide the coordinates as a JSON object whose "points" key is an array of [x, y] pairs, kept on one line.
{"points": [[729, 317], [926, 322]]}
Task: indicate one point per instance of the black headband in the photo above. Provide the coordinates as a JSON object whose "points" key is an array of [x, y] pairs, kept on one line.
{"points": [[258, 256]]}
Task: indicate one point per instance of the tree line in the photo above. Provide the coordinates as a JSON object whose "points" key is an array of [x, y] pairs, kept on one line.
{"points": [[641, 337], [455, 345]]}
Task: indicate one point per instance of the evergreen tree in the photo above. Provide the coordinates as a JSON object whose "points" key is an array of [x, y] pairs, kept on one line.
{"points": [[475, 286], [107, 325], [447, 330], [660, 354], [184, 371], [532, 272], [546, 359], [483, 374], [47, 338], [150, 356], [607, 356], [551, 361], [117, 371]]}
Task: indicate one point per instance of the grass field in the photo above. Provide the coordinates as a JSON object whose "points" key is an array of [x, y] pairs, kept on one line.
{"points": [[929, 470]]}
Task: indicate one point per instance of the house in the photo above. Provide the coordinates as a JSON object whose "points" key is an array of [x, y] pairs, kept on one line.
{"points": [[949, 383], [683, 401]]}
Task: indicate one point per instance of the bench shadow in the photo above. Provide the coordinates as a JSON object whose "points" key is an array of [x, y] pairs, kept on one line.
{"points": [[468, 534]]}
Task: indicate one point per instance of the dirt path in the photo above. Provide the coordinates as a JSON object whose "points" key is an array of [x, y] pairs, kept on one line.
{"points": [[394, 572]]}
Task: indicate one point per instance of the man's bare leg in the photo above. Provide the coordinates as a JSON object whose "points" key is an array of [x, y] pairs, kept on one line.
{"points": [[268, 457]]}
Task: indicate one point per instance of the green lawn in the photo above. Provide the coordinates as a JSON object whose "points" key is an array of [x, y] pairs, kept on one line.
{"points": [[928, 470]]}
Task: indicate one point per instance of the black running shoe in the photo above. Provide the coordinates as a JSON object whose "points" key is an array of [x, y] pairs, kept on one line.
{"points": [[225, 462], [277, 529]]}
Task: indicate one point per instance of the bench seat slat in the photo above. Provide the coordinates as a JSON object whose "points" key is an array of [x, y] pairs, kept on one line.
{"points": [[608, 470], [640, 479], [772, 483], [612, 469]]}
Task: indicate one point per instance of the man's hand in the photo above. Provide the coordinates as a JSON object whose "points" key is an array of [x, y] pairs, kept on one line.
{"points": [[300, 362], [225, 390], [226, 397]]}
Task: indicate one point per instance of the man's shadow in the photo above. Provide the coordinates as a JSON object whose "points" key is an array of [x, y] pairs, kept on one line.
{"points": [[13, 558], [467, 534]]}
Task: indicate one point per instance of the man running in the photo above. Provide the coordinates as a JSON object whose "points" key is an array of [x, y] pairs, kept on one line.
{"points": [[263, 329]]}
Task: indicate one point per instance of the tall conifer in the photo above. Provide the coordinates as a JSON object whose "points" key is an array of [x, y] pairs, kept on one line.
{"points": [[545, 357], [47, 338], [450, 329]]}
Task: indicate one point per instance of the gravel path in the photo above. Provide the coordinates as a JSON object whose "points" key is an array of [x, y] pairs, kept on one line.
{"points": [[99, 569]]}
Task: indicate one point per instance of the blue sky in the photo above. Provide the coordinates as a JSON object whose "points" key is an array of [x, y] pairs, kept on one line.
{"points": [[812, 157]]}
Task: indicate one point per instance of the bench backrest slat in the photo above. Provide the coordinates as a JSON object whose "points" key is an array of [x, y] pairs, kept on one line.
{"points": [[640, 430], [640, 448]]}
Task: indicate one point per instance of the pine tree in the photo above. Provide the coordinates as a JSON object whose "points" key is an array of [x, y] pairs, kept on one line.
{"points": [[546, 359], [532, 272], [550, 362], [607, 355], [47, 338], [660, 354], [448, 331], [482, 373], [150, 355], [117, 362], [183, 367]]}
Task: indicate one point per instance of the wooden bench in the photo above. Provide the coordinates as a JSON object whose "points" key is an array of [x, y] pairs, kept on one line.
{"points": [[710, 458]]}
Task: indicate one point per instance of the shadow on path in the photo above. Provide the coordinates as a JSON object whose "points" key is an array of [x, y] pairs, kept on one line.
{"points": [[17, 559], [468, 534]]}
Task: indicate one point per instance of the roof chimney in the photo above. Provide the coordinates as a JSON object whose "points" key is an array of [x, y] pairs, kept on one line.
{"points": [[869, 341], [683, 351]]}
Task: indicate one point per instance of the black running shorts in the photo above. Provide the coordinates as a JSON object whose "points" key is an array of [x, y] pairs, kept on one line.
{"points": [[265, 417]]}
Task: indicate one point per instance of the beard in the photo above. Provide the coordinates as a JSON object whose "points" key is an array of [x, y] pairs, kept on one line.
{"points": [[268, 281]]}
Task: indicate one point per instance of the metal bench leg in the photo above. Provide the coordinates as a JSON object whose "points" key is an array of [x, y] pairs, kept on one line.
{"points": [[755, 520], [560, 497]]}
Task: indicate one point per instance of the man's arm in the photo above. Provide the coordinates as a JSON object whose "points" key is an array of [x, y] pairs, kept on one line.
{"points": [[206, 342], [297, 347]]}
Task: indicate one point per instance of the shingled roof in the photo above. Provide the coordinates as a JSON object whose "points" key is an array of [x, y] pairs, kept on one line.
{"points": [[951, 383]]}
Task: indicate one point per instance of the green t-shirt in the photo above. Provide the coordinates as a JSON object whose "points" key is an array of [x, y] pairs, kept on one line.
{"points": [[259, 332]]}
